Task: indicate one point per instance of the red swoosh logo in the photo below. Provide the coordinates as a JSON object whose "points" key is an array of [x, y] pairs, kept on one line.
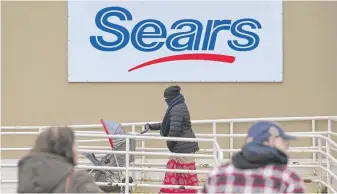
{"points": [[197, 56]]}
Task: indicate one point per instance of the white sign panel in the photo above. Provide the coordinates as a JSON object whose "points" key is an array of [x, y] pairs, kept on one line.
{"points": [[180, 41]]}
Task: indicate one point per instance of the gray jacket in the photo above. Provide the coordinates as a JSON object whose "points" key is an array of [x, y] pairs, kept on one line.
{"points": [[180, 126], [47, 173]]}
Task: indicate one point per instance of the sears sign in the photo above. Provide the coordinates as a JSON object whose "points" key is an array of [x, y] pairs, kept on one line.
{"points": [[181, 41]]}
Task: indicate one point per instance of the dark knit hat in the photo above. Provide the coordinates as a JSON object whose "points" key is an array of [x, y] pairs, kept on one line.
{"points": [[172, 92]]}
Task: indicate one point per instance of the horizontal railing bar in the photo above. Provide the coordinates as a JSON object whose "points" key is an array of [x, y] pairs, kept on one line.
{"points": [[130, 184], [121, 136], [147, 137], [131, 153], [201, 150], [209, 165], [147, 153], [297, 149], [163, 148], [151, 138], [201, 180], [301, 161], [233, 120], [132, 169], [154, 185], [201, 165], [8, 181], [201, 134], [15, 149], [154, 164], [143, 169], [91, 140], [162, 186]]}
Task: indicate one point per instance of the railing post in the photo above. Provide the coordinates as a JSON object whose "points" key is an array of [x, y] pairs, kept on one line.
{"points": [[231, 143], [127, 160], [328, 178], [215, 139], [328, 153], [320, 156], [313, 128], [142, 174], [134, 163], [329, 128]]}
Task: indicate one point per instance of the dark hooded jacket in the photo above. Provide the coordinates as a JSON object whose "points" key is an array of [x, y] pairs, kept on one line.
{"points": [[179, 123], [256, 155], [180, 126], [47, 173]]}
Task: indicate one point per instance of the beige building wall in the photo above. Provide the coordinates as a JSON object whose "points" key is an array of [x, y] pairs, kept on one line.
{"points": [[35, 90]]}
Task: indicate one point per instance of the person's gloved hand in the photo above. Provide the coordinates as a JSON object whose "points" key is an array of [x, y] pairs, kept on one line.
{"points": [[147, 126]]}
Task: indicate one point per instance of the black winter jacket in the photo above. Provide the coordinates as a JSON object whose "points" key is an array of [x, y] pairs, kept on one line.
{"points": [[180, 126]]}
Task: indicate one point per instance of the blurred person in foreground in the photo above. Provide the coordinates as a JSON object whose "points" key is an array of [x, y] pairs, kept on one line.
{"points": [[177, 123], [49, 166], [261, 166]]}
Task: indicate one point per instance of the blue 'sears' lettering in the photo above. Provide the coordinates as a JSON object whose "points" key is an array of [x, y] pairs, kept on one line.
{"points": [[150, 35]]}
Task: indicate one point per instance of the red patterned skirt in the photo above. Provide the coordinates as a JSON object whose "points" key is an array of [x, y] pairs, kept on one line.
{"points": [[184, 179]]}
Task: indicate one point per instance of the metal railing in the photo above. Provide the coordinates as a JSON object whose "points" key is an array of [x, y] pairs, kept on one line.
{"points": [[218, 156], [321, 156]]}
